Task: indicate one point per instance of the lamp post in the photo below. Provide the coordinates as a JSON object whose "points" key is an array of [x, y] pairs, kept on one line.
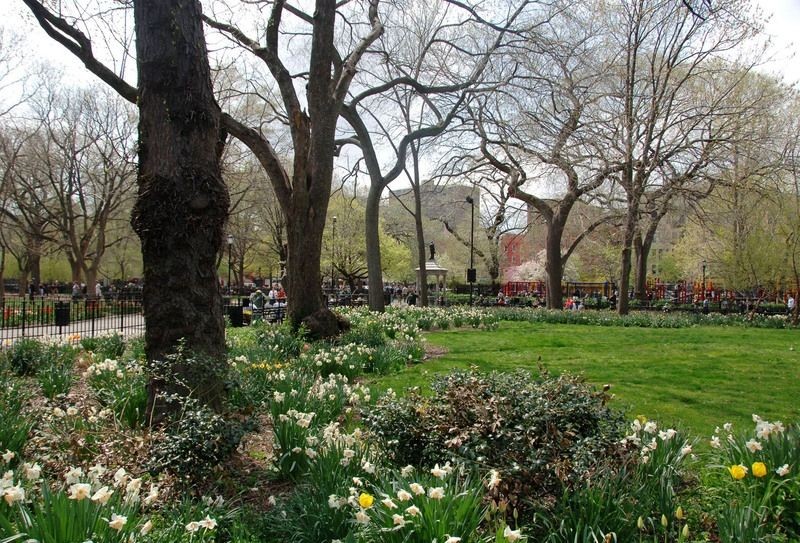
{"points": [[333, 252], [471, 271], [230, 252]]}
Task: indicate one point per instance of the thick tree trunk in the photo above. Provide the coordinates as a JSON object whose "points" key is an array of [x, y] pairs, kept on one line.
{"points": [[372, 226], [625, 259], [2, 274], [422, 300], [553, 267], [304, 235], [182, 203], [75, 269], [639, 269]]}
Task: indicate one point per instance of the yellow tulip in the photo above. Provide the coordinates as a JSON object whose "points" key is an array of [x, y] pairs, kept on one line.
{"points": [[640, 523], [759, 469], [685, 531], [738, 471], [365, 500], [679, 513], [664, 521]]}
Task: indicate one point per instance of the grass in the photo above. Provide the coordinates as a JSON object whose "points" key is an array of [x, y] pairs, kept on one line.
{"points": [[697, 377]]}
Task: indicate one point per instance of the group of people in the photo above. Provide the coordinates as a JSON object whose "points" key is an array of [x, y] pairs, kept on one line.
{"points": [[275, 297]]}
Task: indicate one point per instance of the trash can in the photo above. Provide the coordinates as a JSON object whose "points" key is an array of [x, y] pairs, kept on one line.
{"points": [[236, 315], [62, 314]]}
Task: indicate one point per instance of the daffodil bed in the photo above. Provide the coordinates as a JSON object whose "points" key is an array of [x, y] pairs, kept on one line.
{"points": [[306, 452]]}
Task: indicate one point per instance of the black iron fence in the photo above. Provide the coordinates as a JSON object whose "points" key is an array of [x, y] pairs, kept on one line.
{"points": [[50, 316]]}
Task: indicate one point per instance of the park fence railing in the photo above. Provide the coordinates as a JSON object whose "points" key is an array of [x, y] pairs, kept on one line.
{"points": [[61, 317]]}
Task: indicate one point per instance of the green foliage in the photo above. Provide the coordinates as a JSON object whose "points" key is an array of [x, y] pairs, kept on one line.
{"points": [[421, 507], [57, 516], [14, 424], [122, 388], [758, 472], [196, 438], [104, 346], [56, 377], [195, 442], [25, 356], [318, 508], [542, 434]]}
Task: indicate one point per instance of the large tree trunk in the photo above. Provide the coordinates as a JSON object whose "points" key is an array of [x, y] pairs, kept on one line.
{"points": [[372, 226], [303, 266], [182, 202], [2, 274], [640, 269], [625, 258], [553, 267]]}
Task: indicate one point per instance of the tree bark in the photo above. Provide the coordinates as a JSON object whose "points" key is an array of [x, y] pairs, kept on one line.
{"points": [[553, 263], [373, 243], [182, 202]]}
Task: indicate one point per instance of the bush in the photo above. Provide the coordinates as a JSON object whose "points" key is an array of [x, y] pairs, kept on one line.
{"points": [[195, 442], [542, 435], [25, 356]]}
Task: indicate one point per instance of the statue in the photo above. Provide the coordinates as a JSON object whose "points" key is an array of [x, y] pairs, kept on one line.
{"points": [[433, 250]]}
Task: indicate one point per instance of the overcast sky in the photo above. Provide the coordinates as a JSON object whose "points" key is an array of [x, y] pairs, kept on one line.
{"points": [[784, 28]]}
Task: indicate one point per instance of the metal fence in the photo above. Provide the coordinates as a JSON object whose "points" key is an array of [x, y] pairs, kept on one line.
{"points": [[49, 316]]}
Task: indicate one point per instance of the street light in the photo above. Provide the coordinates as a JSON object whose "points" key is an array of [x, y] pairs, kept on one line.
{"points": [[471, 276], [230, 252], [333, 252]]}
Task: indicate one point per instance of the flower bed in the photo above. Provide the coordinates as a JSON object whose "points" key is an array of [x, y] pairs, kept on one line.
{"points": [[304, 452]]}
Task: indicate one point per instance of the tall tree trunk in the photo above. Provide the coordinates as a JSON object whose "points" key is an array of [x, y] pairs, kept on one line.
{"points": [[2, 274], [372, 226], [423, 275], [303, 266], [75, 269], [625, 258], [640, 269], [553, 267], [182, 202]]}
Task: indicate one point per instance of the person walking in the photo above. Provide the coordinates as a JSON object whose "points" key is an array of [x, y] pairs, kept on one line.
{"points": [[790, 305]]}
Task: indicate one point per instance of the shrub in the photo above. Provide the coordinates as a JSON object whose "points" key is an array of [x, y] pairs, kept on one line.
{"points": [[25, 356], [542, 435], [196, 441]]}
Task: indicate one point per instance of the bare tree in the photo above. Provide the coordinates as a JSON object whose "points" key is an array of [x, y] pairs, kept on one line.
{"points": [[427, 79], [665, 48], [85, 162], [542, 129]]}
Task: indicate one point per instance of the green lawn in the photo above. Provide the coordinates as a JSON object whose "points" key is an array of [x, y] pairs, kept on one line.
{"points": [[700, 377]]}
